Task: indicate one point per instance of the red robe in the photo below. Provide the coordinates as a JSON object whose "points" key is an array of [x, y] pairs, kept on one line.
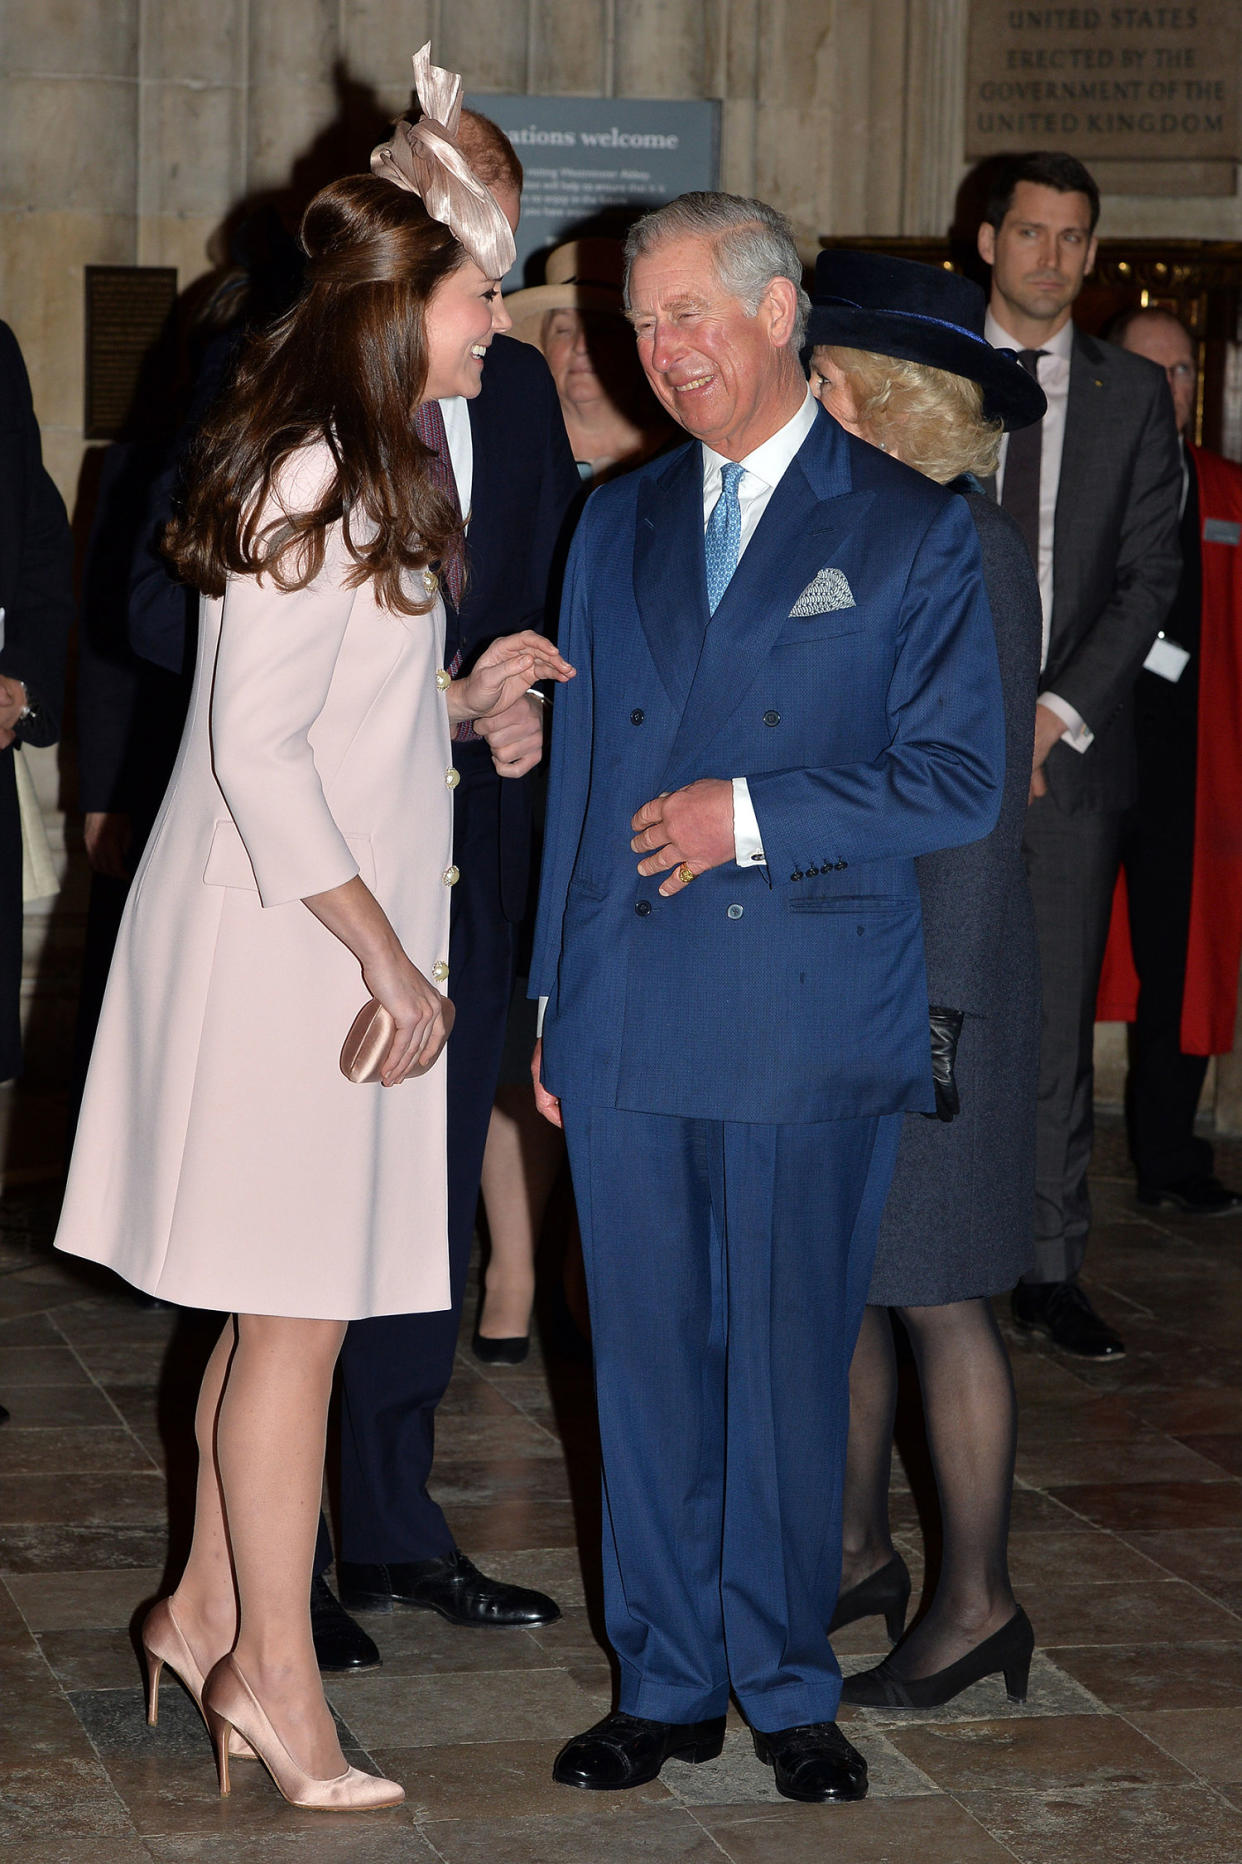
{"points": [[1210, 998]]}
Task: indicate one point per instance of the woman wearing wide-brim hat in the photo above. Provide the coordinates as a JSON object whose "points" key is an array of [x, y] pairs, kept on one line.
{"points": [[897, 354], [577, 319]]}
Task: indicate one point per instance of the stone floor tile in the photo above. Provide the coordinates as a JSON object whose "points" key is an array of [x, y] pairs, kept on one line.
{"points": [[619, 1834], [297, 1838], [874, 1831], [1221, 1448], [1182, 1411], [1148, 1457], [1207, 1741], [460, 1482], [21, 1366], [512, 1524], [67, 1795], [36, 1722], [1158, 1676], [29, 1330], [1094, 1558], [1207, 1557], [1044, 1754], [403, 1711], [1125, 1612], [481, 1435], [425, 1643], [1052, 1692], [503, 1780], [47, 1407], [167, 1794], [62, 1545], [1123, 1825], [116, 1321], [123, 1364], [92, 1659], [116, 1848], [1127, 1507], [42, 1289], [69, 1601], [53, 1453], [115, 1498], [1080, 1416]]}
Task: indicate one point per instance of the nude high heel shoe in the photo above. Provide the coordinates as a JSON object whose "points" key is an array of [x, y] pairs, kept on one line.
{"points": [[230, 1705], [163, 1642]]}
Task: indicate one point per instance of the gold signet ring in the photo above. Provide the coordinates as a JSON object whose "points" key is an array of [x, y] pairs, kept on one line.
{"points": [[684, 874]]}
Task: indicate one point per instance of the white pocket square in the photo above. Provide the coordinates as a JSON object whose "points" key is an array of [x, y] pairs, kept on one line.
{"points": [[829, 590]]}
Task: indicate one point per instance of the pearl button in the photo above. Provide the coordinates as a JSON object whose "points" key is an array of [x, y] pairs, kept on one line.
{"points": [[452, 777], [439, 970], [443, 679], [451, 876]]}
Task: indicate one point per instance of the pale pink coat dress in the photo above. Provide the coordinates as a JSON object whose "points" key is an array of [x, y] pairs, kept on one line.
{"points": [[222, 1160]]}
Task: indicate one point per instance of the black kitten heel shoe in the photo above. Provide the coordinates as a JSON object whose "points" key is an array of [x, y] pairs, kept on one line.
{"points": [[884, 1593], [1008, 1652]]}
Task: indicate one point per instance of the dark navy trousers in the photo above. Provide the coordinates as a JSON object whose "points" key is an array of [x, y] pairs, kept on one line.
{"points": [[727, 1267]]}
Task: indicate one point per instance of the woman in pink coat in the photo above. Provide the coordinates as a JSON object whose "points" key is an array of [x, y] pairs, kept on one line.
{"points": [[301, 862]]}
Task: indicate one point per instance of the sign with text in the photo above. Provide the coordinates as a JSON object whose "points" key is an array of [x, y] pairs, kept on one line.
{"points": [[586, 155], [1156, 83]]}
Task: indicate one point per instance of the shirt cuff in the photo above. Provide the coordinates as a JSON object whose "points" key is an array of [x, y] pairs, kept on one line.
{"points": [[1077, 734], [540, 1013], [747, 841]]}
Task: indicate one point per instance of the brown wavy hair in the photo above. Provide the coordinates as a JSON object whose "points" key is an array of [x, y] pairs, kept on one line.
{"points": [[346, 366]]}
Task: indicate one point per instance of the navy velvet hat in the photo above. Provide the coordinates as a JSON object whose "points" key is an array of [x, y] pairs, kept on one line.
{"points": [[922, 313]]}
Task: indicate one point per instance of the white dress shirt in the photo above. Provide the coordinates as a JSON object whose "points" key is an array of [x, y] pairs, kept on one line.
{"points": [[762, 472], [456, 412], [1053, 374]]}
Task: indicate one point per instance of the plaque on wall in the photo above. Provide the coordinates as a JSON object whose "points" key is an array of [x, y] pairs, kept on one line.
{"points": [[590, 156], [127, 307], [1133, 82]]}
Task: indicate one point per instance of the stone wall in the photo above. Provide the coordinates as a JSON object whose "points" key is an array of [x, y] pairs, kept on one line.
{"points": [[129, 129]]}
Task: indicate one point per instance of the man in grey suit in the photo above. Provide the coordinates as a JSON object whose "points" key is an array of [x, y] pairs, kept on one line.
{"points": [[1095, 489]]}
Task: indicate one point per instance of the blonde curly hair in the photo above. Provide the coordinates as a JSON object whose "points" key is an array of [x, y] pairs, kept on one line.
{"points": [[926, 417]]}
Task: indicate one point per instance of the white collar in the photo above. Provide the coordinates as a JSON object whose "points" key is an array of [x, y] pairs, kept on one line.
{"points": [[770, 461], [1060, 345]]}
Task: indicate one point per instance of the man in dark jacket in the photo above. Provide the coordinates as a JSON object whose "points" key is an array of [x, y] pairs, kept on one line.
{"points": [[36, 609]]}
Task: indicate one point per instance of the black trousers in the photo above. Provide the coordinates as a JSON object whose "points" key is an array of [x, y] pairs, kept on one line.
{"points": [[394, 1369], [1164, 1085], [1071, 863]]}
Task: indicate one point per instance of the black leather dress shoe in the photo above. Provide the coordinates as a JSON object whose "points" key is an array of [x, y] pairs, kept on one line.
{"points": [[627, 1750], [1202, 1196], [452, 1586], [813, 1763], [340, 1644], [1062, 1312]]}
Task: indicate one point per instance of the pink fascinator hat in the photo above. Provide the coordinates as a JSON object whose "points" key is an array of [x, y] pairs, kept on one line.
{"points": [[424, 158]]}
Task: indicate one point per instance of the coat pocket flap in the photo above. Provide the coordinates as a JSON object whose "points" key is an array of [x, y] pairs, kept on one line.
{"points": [[228, 864]]}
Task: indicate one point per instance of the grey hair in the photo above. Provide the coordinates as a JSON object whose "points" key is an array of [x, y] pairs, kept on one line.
{"points": [[752, 243]]}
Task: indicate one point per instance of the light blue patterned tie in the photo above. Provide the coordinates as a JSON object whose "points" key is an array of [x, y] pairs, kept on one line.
{"points": [[722, 539]]}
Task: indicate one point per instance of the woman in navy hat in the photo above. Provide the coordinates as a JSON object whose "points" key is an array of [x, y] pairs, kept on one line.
{"points": [[897, 355]]}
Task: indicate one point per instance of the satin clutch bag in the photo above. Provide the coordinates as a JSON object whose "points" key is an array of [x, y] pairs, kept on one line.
{"points": [[370, 1038]]}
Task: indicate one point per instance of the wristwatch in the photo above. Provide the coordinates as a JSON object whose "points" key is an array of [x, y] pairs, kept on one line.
{"points": [[30, 715]]}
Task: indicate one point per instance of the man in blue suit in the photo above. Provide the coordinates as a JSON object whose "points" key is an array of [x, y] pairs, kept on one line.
{"points": [[786, 690]]}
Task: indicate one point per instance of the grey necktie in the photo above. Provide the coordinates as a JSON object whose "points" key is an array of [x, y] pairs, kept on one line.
{"points": [[1020, 496]]}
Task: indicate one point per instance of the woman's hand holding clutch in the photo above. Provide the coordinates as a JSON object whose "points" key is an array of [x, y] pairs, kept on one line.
{"points": [[421, 1017], [503, 672]]}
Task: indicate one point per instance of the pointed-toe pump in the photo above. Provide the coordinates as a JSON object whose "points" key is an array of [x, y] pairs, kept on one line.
{"points": [[231, 1707], [884, 1593], [1007, 1652], [163, 1642]]}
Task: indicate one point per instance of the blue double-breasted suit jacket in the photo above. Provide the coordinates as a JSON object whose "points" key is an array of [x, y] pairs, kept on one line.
{"points": [[870, 732]]}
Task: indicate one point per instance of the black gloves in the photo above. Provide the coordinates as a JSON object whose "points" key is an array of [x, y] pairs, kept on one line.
{"points": [[946, 1027]]}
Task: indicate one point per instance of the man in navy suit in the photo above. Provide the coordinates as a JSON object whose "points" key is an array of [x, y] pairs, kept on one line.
{"points": [[787, 689]]}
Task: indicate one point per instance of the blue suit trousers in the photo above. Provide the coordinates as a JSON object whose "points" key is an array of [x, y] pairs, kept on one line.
{"points": [[727, 1266]]}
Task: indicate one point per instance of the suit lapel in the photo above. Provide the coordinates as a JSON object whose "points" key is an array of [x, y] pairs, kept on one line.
{"points": [[670, 581]]}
